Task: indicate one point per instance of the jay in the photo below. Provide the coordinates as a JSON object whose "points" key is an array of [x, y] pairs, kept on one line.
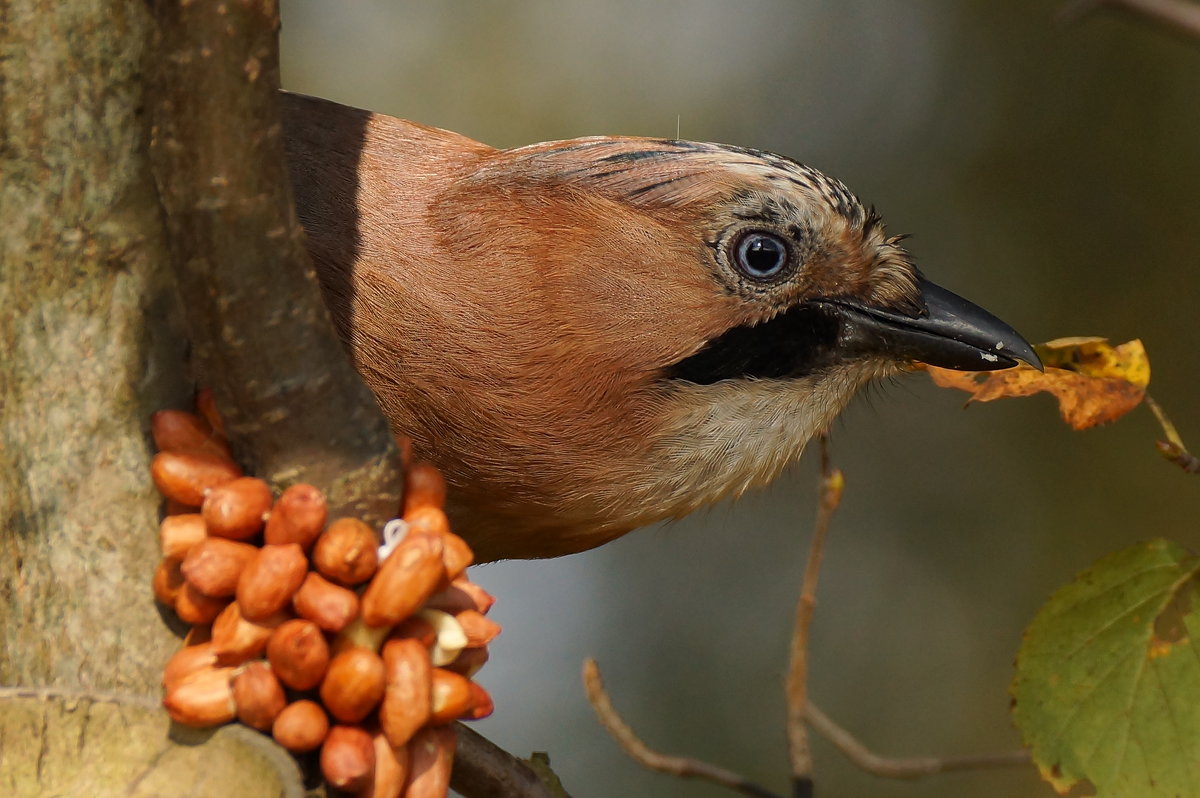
{"points": [[588, 336]]}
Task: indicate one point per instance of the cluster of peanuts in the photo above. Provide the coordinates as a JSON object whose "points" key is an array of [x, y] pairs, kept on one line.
{"points": [[301, 630]]}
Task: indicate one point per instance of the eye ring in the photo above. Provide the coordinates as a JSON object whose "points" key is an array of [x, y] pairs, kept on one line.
{"points": [[760, 255]]}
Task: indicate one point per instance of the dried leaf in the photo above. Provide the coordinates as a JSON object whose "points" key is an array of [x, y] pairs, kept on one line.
{"points": [[1094, 382]]}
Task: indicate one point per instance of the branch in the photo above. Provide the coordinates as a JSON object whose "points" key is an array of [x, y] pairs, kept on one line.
{"points": [[799, 755], [1178, 16], [913, 768], [802, 712], [1172, 448], [484, 770], [294, 407], [683, 767]]}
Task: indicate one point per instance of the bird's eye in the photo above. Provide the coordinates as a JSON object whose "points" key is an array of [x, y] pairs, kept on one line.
{"points": [[760, 256]]}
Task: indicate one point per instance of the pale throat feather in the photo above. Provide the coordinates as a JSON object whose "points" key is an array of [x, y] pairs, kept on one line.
{"points": [[723, 439]]}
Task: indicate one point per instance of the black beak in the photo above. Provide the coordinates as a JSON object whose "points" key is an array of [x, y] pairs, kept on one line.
{"points": [[951, 333]]}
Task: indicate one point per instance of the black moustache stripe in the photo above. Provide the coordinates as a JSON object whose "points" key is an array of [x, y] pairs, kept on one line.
{"points": [[794, 343]]}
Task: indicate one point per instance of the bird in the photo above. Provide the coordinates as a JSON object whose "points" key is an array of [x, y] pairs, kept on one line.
{"points": [[591, 335]]}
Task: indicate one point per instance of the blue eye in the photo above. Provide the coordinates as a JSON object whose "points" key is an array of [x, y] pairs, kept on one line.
{"points": [[760, 256]]}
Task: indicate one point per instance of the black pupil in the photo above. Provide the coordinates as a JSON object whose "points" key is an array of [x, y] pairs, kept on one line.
{"points": [[762, 255]]}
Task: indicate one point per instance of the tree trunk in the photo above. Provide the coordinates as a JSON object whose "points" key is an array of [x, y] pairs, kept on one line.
{"points": [[92, 337], [90, 345]]}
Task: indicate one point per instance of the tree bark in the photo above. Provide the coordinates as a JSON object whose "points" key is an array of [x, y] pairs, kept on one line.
{"points": [[92, 337], [295, 409], [90, 345]]}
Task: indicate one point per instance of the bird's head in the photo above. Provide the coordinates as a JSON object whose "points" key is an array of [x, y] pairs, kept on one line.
{"points": [[592, 335]]}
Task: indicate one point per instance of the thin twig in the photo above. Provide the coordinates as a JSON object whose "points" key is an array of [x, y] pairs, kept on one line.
{"points": [[683, 767], [1168, 428], [1172, 448], [799, 756], [913, 768], [1177, 15]]}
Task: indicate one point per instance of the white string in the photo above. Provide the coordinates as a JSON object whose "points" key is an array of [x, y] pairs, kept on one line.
{"points": [[394, 531]]}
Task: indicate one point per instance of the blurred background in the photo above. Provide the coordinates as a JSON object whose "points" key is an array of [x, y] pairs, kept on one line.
{"points": [[1049, 172]]}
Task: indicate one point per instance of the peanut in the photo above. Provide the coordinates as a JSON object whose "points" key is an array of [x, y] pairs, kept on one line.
{"points": [[206, 406], [236, 639], [195, 608], [298, 517], [202, 698], [407, 698], [469, 661], [270, 579], [456, 554], [424, 486], [298, 654], [348, 758], [451, 696], [391, 769], [187, 661], [347, 552], [301, 726], [479, 630], [462, 594], [168, 581], [178, 430], [177, 534], [407, 577], [258, 696], [237, 509], [214, 565], [327, 605], [187, 476], [353, 684], [431, 755]]}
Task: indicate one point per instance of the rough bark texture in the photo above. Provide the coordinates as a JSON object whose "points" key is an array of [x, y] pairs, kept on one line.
{"points": [[70, 744], [91, 333], [294, 407], [89, 348]]}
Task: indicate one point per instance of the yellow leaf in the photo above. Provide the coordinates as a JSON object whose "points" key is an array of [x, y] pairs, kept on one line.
{"points": [[1094, 382], [1095, 357]]}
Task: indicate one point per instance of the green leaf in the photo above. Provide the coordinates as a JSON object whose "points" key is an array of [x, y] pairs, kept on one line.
{"points": [[1107, 689]]}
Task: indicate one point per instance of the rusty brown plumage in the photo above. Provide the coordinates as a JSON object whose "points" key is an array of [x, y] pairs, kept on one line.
{"points": [[569, 331]]}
